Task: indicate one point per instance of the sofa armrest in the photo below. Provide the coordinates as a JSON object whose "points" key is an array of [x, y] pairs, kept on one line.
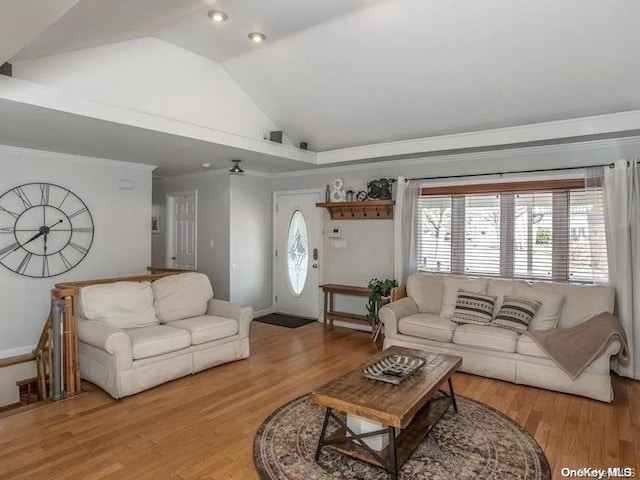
{"points": [[241, 313], [392, 312], [112, 340]]}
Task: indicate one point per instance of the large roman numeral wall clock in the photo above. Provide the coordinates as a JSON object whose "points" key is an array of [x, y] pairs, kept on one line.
{"points": [[45, 230]]}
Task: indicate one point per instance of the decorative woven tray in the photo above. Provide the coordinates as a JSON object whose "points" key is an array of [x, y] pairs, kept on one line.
{"points": [[394, 368]]}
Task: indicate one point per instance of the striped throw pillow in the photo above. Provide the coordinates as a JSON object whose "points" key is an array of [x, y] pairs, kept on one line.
{"points": [[473, 308], [516, 313]]}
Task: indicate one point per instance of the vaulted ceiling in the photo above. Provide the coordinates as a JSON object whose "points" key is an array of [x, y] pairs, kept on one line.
{"points": [[348, 73]]}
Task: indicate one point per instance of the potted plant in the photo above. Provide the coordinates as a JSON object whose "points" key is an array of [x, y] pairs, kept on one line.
{"points": [[380, 289]]}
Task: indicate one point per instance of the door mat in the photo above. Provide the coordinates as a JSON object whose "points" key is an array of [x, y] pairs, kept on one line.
{"points": [[282, 320]]}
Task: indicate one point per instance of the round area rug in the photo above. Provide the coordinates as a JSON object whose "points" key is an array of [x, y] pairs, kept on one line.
{"points": [[477, 443]]}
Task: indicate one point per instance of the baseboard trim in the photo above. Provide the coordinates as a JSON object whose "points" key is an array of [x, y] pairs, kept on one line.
{"points": [[263, 312], [352, 326]]}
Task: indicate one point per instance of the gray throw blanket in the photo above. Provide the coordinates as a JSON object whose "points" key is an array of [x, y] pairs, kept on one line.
{"points": [[573, 349]]}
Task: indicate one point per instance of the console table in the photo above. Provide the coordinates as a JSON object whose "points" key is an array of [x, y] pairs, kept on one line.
{"points": [[330, 290]]}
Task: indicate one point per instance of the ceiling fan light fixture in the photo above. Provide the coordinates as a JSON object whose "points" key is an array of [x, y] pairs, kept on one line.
{"points": [[257, 37], [236, 168], [217, 16]]}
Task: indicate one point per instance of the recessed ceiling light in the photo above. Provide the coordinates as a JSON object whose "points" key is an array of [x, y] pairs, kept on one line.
{"points": [[257, 37], [217, 16]]}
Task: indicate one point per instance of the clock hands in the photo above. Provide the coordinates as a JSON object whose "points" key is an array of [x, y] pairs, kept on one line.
{"points": [[44, 230]]}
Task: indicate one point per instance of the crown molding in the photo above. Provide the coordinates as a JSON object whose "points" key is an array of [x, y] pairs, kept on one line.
{"points": [[463, 157], [216, 173], [615, 123], [45, 154]]}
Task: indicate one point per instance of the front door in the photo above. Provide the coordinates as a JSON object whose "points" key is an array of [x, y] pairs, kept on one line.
{"points": [[182, 245], [297, 253]]}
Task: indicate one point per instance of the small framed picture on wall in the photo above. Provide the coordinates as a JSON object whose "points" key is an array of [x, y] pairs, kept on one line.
{"points": [[155, 224]]}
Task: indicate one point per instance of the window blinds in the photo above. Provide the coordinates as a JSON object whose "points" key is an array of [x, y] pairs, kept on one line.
{"points": [[552, 235]]}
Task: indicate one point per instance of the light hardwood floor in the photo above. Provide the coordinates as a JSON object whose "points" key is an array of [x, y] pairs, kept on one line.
{"points": [[203, 426]]}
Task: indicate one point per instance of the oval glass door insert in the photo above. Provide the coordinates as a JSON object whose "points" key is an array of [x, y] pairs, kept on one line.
{"points": [[297, 252]]}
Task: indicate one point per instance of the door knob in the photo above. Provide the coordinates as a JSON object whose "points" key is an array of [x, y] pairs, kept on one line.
{"points": [[315, 265], [173, 258]]}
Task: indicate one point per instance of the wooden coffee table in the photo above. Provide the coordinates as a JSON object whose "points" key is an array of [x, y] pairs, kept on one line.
{"points": [[410, 406]]}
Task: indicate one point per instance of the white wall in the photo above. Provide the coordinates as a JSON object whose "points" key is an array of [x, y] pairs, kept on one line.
{"points": [[152, 76], [213, 224], [251, 239], [121, 243], [369, 252]]}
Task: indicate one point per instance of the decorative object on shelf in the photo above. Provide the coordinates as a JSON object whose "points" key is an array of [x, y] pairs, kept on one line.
{"points": [[155, 224], [380, 292], [327, 194], [350, 195], [369, 210], [236, 167], [380, 189], [337, 190], [394, 368], [48, 230], [361, 196]]}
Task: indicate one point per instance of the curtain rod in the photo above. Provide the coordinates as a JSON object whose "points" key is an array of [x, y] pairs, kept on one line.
{"points": [[469, 175]]}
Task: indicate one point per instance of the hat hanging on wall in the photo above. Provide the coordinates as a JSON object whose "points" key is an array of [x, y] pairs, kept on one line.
{"points": [[236, 168]]}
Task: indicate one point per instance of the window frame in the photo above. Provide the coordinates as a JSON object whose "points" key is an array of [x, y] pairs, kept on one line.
{"points": [[561, 193]]}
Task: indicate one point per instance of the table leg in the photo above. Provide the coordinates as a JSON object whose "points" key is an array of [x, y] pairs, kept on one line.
{"points": [[453, 396], [327, 415], [331, 301], [393, 454], [326, 296]]}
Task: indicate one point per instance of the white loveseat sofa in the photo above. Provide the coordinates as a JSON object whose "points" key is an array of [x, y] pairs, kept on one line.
{"points": [[134, 334], [422, 320]]}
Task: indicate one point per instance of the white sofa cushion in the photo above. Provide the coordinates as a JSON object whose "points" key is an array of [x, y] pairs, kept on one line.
{"points": [[207, 328], [181, 296], [486, 338], [156, 340], [526, 346], [501, 288], [426, 290], [427, 325], [450, 292], [581, 301], [120, 304]]}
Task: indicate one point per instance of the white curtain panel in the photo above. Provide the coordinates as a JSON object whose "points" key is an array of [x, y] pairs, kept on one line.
{"points": [[622, 211], [404, 235]]}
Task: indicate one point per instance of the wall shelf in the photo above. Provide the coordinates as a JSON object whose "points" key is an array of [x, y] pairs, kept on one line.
{"points": [[366, 210]]}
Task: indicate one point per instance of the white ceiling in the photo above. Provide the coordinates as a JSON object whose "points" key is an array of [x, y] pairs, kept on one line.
{"points": [[418, 68], [51, 130], [345, 73], [184, 23]]}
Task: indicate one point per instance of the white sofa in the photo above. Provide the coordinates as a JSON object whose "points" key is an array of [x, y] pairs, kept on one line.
{"points": [[134, 335], [422, 320]]}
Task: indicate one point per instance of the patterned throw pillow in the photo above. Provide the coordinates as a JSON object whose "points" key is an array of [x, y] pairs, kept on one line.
{"points": [[516, 313], [473, 308]]}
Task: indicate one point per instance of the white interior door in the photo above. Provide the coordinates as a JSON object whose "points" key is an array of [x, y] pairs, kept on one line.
{"points": [[297, 239], [183, 232]]}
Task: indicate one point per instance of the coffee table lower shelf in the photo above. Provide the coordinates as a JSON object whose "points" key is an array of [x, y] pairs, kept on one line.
{"points": [[400, 447]]}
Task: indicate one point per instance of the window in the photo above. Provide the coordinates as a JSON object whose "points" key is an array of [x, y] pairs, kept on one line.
{"points": [[297, 252], [533, 230]]}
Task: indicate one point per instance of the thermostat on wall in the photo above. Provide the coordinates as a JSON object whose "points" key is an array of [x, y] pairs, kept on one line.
{"points": [[335, 232]]}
